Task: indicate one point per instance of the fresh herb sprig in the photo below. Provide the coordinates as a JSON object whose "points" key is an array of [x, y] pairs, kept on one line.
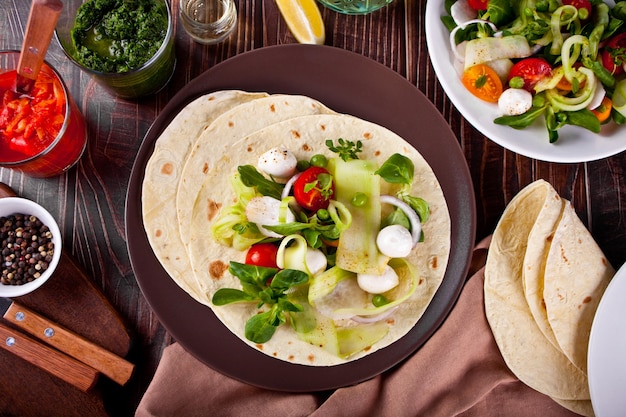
{"points": [[266, 286], [250, 177], [346, 149], [398, 169]]}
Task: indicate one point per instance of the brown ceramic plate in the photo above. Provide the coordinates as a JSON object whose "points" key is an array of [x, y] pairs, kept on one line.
{"points": [[348, 83]]}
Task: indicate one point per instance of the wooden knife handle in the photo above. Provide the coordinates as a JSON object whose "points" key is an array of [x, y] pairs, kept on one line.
{"points": [[42, 20], [108, 363], [56, 363]]}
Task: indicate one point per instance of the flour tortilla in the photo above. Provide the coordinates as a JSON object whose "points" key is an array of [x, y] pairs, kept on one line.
{"points": [[536, 254], [305, 136], [226, 129], [577, 274], [582, 407], [526, 351], [209, 124], [163, 172]]}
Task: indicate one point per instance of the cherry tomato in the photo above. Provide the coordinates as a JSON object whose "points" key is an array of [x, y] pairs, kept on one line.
{"points": [[314, 188], [262, 254], [580, 4], [531, 70], [603, 112], [478, 4], [614, 54], [483, 82]]}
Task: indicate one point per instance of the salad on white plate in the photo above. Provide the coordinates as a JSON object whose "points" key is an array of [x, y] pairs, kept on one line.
{"points": [[553, 70]]}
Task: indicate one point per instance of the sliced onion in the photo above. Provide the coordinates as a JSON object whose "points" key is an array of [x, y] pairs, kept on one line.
{"points": [[376, 317], [598, 96], [462, 12], [453, 46], [288, 185], [416, 227]]}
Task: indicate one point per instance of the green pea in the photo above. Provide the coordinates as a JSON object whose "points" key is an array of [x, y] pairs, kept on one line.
{"points": [[379, 300], [516, 82], [542, 6], [359, 200], [319, 160], [323, 214], [539, 100], [303, 165]]}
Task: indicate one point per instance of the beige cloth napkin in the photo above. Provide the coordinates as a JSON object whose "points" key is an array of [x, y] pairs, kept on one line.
{"points": [[458, 372]]}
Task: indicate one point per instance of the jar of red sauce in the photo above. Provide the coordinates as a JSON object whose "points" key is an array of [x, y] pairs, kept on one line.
{"points": [[42, 134]]}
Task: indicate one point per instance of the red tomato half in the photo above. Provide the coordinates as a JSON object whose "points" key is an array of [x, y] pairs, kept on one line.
{"points": [[314, 188], [614, 54], [531, 70], [262, 254], [579, 4], [478, 4]]}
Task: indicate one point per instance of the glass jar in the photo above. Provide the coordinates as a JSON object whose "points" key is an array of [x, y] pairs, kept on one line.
{"points": [[208, 21], [25, 152], [148, 79]]}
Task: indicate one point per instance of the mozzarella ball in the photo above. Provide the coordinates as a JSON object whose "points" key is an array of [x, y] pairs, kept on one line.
{"points": [[514, 101], [266, 211], [394, 241], [378, 284], [278, 162]]}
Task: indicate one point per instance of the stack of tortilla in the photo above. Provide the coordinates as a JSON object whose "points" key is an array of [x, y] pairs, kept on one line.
{"points": [[186, 184], [544, 278]]}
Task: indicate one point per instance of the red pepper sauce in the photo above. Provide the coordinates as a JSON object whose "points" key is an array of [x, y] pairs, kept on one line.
{"points": [[28, 125]]}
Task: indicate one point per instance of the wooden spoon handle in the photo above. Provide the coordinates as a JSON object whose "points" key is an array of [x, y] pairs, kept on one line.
{"points": [[42, 20]]}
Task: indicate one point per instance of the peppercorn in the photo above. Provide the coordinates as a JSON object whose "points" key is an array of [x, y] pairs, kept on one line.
{"points": [[27, 248]]}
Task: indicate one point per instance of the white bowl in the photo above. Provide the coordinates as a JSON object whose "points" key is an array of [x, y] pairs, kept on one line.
{"points": [[575, 144], [17, 205]]}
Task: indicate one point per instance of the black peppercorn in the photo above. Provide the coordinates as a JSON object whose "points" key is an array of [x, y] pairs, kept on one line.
{"points": [[27, 248]]}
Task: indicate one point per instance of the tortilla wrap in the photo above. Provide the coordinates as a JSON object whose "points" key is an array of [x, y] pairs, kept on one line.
{"points": [[305, 136], [226, 129], [577, 274], [213, 120], [582, 407], [526, 351], [163, 172], [536, 254]]}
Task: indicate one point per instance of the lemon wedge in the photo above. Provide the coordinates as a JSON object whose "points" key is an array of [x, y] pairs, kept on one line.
{"points": [[304, 20]]}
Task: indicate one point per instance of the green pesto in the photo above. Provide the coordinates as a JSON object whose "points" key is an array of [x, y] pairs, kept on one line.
{"points": [[117, 36]]}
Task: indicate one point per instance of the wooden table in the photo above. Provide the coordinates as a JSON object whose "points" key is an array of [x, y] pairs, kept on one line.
{"points": [[88, 201]]}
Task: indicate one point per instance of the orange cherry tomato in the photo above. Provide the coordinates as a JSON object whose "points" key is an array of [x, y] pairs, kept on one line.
{"points": [[483, 82], [603, 112]]}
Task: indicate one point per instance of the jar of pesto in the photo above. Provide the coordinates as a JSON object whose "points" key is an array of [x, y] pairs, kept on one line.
{"points": [[126, 45]]}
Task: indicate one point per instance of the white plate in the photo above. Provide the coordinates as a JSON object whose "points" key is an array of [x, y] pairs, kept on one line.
{"points": [[607, 351], [575, 144]]}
